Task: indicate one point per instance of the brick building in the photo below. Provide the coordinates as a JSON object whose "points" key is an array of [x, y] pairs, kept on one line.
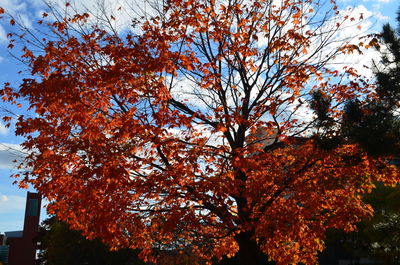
{"points": [[19, 247]]}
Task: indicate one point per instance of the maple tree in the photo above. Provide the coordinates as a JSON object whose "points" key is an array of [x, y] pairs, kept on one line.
{"points": [[190, 134]]}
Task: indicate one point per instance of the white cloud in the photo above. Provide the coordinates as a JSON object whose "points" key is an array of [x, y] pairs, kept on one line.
{"points": [[20, 10], [378, 15], [380, 1], [348, 26], [115, 14], [14, 7], [3, 34], [12, 222], [11, 203], [101, 11], [3, 129], [10, 153], [189, 92], [12, 210], [37, 3], [360, 23]]}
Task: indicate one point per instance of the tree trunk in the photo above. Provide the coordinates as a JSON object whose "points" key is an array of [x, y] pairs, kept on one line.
{"points": [[249, 252]]}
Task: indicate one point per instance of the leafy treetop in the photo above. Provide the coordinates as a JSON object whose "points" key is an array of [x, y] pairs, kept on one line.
{"points": [[189, 134]]}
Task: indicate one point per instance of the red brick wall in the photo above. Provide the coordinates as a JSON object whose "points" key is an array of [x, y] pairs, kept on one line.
{"points": [[23, 250]]}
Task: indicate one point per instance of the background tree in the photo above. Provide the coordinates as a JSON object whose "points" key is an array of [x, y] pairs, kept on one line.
{"points": [[375, 125], [381, 233], [59, 245], [189, 133], [376, 238]]}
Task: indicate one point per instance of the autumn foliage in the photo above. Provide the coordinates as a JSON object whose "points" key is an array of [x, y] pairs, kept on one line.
{"points": [[151, 140]]}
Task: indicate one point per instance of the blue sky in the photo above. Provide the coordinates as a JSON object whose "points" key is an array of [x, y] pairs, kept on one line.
{"points": [[12, 199]]}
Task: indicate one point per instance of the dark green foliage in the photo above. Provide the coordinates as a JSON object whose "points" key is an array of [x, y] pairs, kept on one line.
{"points": [[377, 238], [343, 246], [373, 126], [326, 137], [233, 261], [384, 238], [321, 104], [62, 246], [382, 232], [388, 78]]}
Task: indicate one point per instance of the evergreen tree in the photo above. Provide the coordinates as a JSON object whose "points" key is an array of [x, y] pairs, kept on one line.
{"points": [[375, 125]]}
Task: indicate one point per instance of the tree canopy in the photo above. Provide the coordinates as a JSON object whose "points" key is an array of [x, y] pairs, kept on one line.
{"points": [[191, 129]]}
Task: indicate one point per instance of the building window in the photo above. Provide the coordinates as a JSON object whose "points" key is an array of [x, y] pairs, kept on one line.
{"points": [[33, 207], [4, 255]]}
